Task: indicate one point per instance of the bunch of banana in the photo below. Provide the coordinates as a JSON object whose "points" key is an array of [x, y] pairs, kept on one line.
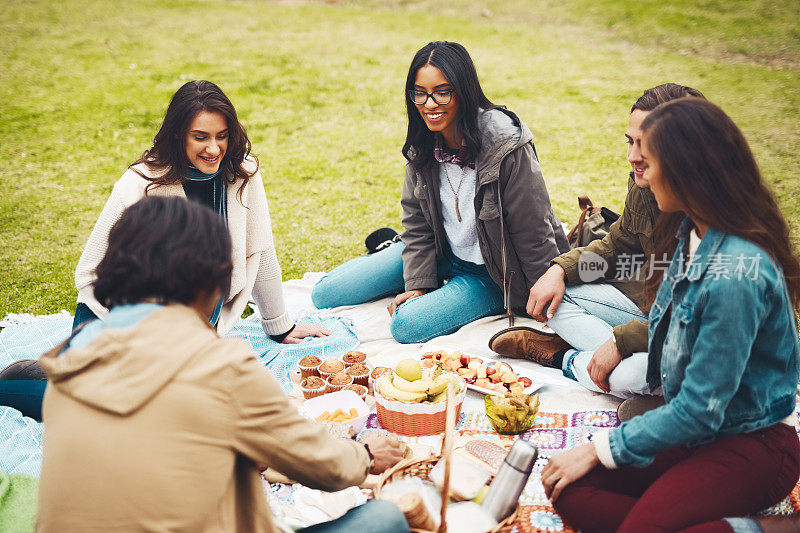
{"points": [[430, 384]]}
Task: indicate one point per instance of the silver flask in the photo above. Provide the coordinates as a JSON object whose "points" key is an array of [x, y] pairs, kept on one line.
{"points": [[511, 478]]}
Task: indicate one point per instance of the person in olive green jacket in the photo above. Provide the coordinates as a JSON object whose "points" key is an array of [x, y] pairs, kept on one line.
{"points": [[593, 297], [479, 226]]}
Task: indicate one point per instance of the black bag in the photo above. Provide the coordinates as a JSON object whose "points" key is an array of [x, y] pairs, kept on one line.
{"points": [[594, 223], [380, 239]]}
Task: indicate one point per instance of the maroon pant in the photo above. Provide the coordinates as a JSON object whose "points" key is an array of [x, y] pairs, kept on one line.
{"points": [[685, 486]]}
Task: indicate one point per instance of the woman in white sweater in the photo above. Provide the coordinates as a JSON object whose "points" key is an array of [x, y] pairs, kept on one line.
{"points": [[202, 153]]}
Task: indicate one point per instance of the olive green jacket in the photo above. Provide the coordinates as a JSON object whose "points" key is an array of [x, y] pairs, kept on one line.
{"points": [[631, 236], [518, 232]]}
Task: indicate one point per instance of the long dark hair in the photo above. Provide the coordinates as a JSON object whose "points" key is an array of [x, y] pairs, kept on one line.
{"points": [[706, 161], [166, 249], [168, 153], [456, 65], [667, 224]]}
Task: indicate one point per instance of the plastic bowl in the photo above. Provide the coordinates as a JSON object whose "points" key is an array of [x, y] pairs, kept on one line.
{"points": [[344, 400]]}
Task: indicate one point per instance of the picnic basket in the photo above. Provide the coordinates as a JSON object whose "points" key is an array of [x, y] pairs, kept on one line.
{"points": [[416, 419], [422, 467]]}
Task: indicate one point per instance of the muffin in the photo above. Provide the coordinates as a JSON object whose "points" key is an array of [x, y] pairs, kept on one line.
{"points": [[361, 390], [329, 368], [352, 358], [378, 371], [360, 373], [338, 381], [309, 366], [312, 387]]}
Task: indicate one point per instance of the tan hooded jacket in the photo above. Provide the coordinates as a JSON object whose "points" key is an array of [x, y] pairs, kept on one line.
{"points": [[158, 427]]}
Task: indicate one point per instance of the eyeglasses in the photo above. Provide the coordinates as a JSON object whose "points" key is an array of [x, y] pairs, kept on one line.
{"points": [[439, 97]]}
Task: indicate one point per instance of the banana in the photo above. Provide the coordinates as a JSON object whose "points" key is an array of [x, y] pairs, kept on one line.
{"points": [[388, 389], [438, 386], [420, 385]]}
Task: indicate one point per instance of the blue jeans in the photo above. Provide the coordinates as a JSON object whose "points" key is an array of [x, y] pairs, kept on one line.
{"points": [[469, 294], [585, 319], [82, 314], [375, 516], [24, 395]]}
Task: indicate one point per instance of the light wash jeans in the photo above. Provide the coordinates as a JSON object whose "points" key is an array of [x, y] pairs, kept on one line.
{"points": [[585, 319], [469, 293], [375, 516]]}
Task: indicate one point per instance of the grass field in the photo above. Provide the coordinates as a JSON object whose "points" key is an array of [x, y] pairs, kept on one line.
{"points": [[319, 87]]}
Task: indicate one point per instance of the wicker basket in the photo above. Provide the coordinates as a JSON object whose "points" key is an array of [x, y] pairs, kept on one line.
{"points": [[412, 419], [422, 468]]}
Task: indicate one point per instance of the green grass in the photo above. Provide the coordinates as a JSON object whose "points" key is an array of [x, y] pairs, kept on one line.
{"points": [[83, 86]]}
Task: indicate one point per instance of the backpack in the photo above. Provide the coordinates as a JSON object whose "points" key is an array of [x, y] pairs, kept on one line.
{"points": [[593, 223]]}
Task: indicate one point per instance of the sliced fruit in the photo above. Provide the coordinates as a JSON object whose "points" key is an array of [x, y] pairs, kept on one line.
{"points": [[481, 372], [484, 383], [490, 370], [508, 377], [474, 364], [516, 387], [526, 382]]}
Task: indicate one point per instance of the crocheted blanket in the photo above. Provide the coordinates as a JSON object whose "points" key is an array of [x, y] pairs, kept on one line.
{"points": [[28, 336]]}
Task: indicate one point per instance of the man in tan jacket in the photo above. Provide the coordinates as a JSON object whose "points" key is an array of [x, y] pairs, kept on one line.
{"points": [[601, 314], [153, 422]]}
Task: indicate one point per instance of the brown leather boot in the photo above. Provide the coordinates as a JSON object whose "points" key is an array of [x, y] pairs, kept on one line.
{"points": [[522, 342], [637, 405]]}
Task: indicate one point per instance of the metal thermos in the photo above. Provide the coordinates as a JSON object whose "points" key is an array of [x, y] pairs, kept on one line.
{"points": [[507, 486]]}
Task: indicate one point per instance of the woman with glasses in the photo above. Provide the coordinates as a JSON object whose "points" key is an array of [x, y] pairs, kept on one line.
{"points": [[479, 227]]}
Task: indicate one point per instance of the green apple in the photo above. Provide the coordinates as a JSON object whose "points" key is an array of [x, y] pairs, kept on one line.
{"points": [[409, 369]]}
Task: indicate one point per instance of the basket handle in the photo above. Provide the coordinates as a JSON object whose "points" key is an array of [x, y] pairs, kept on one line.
{"points": [[447, 451]]}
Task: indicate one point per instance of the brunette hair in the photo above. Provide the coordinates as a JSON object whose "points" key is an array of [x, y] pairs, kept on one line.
{"points": [[706, 161], [667, 224], [167, 249], [168, 153], [456, 65], [661, 94]]}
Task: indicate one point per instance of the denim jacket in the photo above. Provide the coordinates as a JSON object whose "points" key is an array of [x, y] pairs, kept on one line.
{"points": [[725, 334]]}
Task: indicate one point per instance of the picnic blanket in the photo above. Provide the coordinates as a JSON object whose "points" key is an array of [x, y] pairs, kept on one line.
{"points": [[568, 413], [28, 336]]}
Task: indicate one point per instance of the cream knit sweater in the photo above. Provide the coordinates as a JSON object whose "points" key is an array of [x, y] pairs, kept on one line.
{"points": [[255, 264]]}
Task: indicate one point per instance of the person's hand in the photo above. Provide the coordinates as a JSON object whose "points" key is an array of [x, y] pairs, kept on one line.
{"points": [[386, 451], [301, 331], [548, 289], [605, 359], [403, 297], [566, 467]]}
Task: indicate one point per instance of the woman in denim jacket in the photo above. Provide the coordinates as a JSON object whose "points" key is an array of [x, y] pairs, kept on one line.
{"points": [[723, 345]]}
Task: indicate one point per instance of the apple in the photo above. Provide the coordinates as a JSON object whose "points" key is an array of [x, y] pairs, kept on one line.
{"points": [[464, 359], [490, 370], [474, 364], [428, 355], [496, 377], [526, 382], [409, 369], [481, 372]]}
